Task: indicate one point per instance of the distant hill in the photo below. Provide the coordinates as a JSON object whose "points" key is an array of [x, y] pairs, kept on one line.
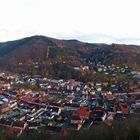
{"points": [[46, 51]]}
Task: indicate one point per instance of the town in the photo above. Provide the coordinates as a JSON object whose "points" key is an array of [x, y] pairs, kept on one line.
{"points": [[32, 103]]}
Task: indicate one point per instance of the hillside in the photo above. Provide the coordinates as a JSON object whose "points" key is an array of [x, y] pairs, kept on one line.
{"points": [[44, 52]]}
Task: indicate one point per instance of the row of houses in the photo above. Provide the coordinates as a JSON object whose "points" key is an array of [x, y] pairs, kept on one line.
{"points": [[65, 105]]}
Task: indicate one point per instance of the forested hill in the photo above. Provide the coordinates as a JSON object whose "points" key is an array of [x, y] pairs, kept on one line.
{"points": [[47, 51]]}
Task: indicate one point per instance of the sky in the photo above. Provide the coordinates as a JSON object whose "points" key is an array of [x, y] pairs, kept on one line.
{"points": [[96, 21]]}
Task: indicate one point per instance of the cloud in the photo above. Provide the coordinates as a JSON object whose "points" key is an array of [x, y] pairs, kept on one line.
{"points": [[99, 38], [4, 34], [87, 20], [81, 36]]}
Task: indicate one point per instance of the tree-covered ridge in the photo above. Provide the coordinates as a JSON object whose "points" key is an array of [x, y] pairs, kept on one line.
{"points": [[41, 55]]}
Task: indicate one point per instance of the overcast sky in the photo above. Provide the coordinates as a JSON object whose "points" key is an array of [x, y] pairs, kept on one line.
{"points": [[105, 21]]}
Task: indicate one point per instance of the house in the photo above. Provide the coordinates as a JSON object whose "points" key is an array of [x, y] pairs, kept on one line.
{"points": [[76, 120], [82, 112], [98, 115], [33, 125], [55, 110], [7, 86], [85, 68], [19, 124], [98, 88], [3, 107], [110, 97], [76, 68], [111, 110], [133, 87], [27, 91], [15, 127], [69, 99], [13, 105], [105, 84], [13, 130], [109, 119], [136, 106], [11, 115], [92, 92], [55, 126], [71, 86], [71, 107], [49, 115], [124, 108], [119, 113], [74, 127], [90, 84]]}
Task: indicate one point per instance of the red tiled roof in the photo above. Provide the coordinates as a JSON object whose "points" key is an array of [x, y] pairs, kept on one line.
{"points": [[124, 108], [11, 129], [82, 112]]}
